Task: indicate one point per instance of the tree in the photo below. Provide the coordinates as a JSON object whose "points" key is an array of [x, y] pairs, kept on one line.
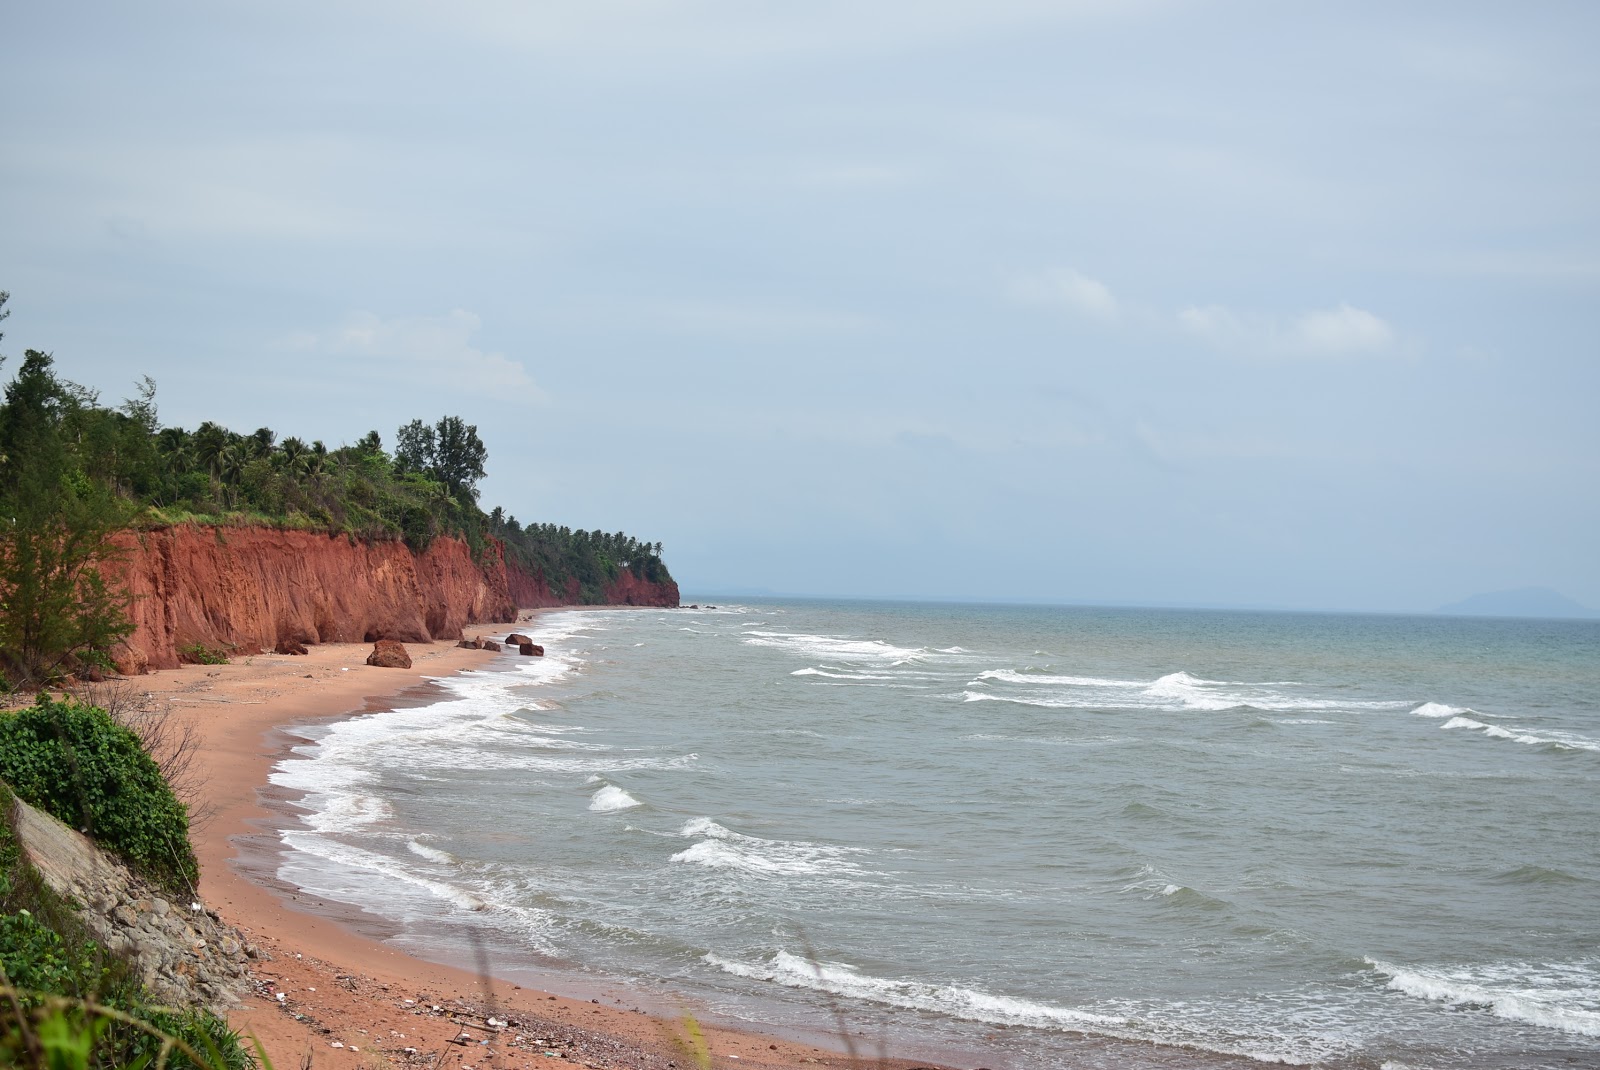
{"points": [[56, 525], [461, 455], [449, 451], [414, 447]]}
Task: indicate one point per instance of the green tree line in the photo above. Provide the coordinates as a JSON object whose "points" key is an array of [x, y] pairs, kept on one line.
{"points": [[73, 472]]}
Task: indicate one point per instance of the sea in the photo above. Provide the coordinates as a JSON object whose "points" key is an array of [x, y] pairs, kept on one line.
{"points": [[1004, 836]]}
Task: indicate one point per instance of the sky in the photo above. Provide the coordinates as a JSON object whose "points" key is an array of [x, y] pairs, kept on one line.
{"points": [[1137, 302]]}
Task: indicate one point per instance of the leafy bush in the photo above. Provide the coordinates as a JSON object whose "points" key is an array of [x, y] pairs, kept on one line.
{"points": [[74, 1005], [200, 654], [76, 763]]}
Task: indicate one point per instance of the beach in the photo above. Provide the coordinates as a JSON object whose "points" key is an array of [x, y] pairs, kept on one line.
{"points": [[1007, 837], [347, 999]]}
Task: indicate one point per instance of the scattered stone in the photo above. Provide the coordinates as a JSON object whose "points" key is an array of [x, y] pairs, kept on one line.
{"points": [[389, 654]]}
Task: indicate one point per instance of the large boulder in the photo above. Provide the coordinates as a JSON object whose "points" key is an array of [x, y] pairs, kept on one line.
{"points": [[389, 654], [532, 650], [490, 644], [517, 639]]}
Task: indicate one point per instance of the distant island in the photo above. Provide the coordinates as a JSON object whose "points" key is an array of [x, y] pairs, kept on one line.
{"points": [[1522, 602]]}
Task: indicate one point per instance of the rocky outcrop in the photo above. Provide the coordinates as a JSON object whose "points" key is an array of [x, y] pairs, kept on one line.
{"points": [[530, 650], [245, 590], [185, 955], [388, 654]]}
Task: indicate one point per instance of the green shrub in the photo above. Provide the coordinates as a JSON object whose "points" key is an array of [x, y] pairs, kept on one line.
{"points": [[200, 654], [76, 763]]}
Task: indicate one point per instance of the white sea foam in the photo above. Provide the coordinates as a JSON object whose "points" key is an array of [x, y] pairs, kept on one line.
{"points": [[612, 798], [1494, 731], [973, 1004], [1012, 676], [1563, 997], [1438, 709], [728, 850], [841, 675], [432, 854], [833, 647]]}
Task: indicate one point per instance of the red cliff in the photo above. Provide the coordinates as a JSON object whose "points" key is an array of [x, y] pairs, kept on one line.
{"points": [[245, 590], [534, 591]]}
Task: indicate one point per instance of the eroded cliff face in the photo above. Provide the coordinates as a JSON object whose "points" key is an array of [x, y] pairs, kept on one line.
{"points": [[534, 591], [245, 590]]}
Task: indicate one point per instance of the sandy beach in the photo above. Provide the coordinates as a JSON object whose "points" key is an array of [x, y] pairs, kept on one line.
{"points": [[326, 993]]}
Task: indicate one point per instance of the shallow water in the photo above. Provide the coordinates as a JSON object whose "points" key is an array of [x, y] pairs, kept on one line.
{"points": [[1026, 835]]}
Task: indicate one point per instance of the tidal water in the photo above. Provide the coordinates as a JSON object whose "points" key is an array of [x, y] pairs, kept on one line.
{"points": [[1008, 836]]}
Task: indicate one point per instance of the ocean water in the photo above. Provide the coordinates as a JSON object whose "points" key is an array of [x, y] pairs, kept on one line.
{"points": [[1008, 836]]}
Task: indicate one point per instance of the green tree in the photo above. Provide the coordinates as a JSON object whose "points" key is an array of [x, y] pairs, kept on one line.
{"points": [[57, 520], [459, 456]]}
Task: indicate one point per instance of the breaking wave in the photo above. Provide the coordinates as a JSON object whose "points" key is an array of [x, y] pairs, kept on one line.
{"points": [[1553, 996]]}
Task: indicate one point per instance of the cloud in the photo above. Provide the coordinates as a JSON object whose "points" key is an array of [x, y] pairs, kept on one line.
{"points": [[438, 348], [1342, 331], [1087, 297]]}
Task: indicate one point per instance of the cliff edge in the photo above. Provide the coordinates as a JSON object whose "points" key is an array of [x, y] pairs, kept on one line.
{"points": [[244, 590]]}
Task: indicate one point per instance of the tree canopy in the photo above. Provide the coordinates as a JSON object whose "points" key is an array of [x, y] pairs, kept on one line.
{"points": [[74, 472]]}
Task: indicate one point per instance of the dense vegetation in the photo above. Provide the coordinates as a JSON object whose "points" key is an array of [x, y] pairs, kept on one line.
{"points": [[70, 1002], [76, 763], [73, 472]]}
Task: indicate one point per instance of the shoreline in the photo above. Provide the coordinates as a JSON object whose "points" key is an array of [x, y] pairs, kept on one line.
{"points": [[348, 996]]}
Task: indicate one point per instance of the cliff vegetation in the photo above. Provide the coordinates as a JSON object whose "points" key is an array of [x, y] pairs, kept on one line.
{"points": [[76, 476]]}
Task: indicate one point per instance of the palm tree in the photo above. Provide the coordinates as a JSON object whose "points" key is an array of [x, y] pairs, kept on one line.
{"points": [[296, 457], [210, 440], [260, 442]]}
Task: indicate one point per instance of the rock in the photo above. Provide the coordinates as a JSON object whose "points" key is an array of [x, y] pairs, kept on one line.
{"points": [[290, 646], [490, 644], [468, 644], [389, 654], [532, 650], [517, 639], [181, 964]]}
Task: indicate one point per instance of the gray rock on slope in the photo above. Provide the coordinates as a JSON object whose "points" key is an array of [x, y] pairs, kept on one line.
{"points": [[185, 957]]}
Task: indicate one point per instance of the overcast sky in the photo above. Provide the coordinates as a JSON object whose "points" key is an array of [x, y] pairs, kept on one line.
{"points": [[1226, 303]]}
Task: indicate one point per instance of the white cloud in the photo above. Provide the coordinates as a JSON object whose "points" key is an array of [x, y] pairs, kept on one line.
{"points": [[1083, 295], [1342, 331], [438, 346]]}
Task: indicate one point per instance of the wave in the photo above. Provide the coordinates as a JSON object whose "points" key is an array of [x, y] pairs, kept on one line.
{"points": [[1439, 709], [1012, 676], [1565, 998], [1494, 731], [725, 849], [432, 854], [842, 675], [1532, 874], [610, 799], [974, 1004], [834, 648], [1176, 691]]}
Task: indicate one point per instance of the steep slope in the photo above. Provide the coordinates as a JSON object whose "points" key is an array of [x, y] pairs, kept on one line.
{"points": [[245, 590]]}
